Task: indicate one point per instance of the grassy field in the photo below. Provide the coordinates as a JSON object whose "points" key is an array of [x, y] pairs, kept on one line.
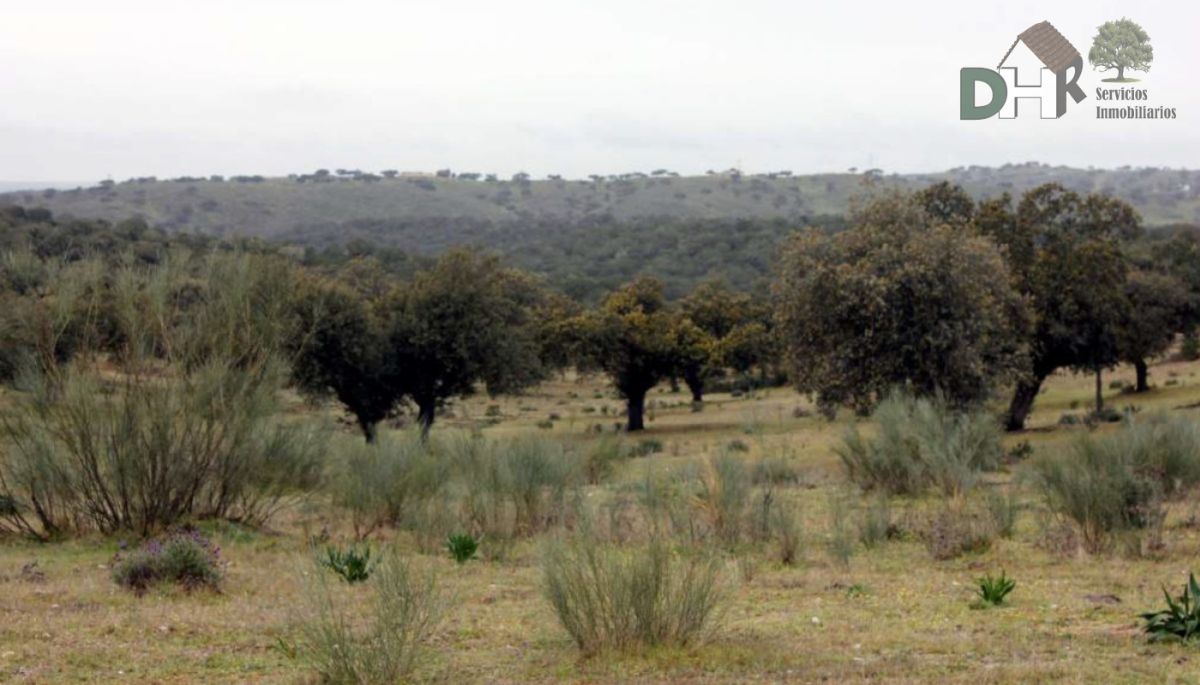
{"points": [[891, 614]]}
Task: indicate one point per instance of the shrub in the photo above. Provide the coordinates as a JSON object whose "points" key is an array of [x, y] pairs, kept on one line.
{"points": [[839, 539], [185, 558], [618, 599], [1109, 486], [921, 443], [1180, 621], [378, 644], [777, 469], [953, 531], [875, 525], [602, 459], [646, 447], [785, 526], [1002, 509], [512, 487], [462, 547], [352, 564], [142, 455], [723, 495], [387, 482], [993, 590]]}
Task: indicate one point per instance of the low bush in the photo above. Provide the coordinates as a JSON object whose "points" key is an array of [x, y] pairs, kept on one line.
{"points": [[345, 642], [786, 530], [1114, 485], [352, 564], [646, 447], [611, 599], [184, 558], [954, 530], [602, 459], [840, 539], [1002, 510], [921, 443], [875, 523], [388, 482], [723, 495]]}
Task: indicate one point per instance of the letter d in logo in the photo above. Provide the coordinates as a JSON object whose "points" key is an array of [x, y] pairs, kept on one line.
{"points": [[967, 78]]}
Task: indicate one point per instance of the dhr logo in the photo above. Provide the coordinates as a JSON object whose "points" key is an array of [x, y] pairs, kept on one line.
{"points": [[1041, 68]]}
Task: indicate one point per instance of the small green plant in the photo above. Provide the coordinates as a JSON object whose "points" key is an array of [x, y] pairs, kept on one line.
{"points": [[994, 589], [354, 565], [462, 547], [1180, 621]]}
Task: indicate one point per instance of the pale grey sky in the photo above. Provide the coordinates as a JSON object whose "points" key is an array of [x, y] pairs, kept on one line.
{"points": [[92, 90]]}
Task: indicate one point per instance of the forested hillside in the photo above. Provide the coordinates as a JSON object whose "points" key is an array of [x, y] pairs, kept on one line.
{"points": [[583, 236], [317, 205]]}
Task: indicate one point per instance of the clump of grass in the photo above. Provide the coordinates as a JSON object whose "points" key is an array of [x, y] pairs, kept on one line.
{"points": [[352, 564], [602, 459], [184, 558], [646, 447], [786, 530], [723, 496], [992, 590], [839, 538], [1002, 510], [777, 469], [611, 599], [377, 644], [1180, 621], [875, 524], [921, 443], [462, 547]]}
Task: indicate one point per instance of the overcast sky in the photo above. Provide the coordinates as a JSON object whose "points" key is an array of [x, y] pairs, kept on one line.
{"points": [[92, 90]]}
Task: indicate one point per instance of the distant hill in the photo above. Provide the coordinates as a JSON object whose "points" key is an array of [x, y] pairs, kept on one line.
{"points": [[583, 235], [276, 207]]}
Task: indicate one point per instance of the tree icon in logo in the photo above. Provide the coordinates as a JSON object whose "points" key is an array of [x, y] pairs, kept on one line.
{"points": [[1121, 45]]}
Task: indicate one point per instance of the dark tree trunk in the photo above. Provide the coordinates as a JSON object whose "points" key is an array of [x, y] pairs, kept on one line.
{"points": [[426, 409], [1120, 73], [635, 404], [695, 383], [1022, 402], [674, 381], [1099, 391], [1143, 375], [370, 430]]}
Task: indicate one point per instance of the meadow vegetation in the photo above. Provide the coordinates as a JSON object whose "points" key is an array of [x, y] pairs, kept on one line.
{"points": [[219, 463]]}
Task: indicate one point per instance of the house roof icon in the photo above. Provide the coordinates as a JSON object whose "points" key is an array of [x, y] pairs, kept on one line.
{"points": [[1044, 41]]}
